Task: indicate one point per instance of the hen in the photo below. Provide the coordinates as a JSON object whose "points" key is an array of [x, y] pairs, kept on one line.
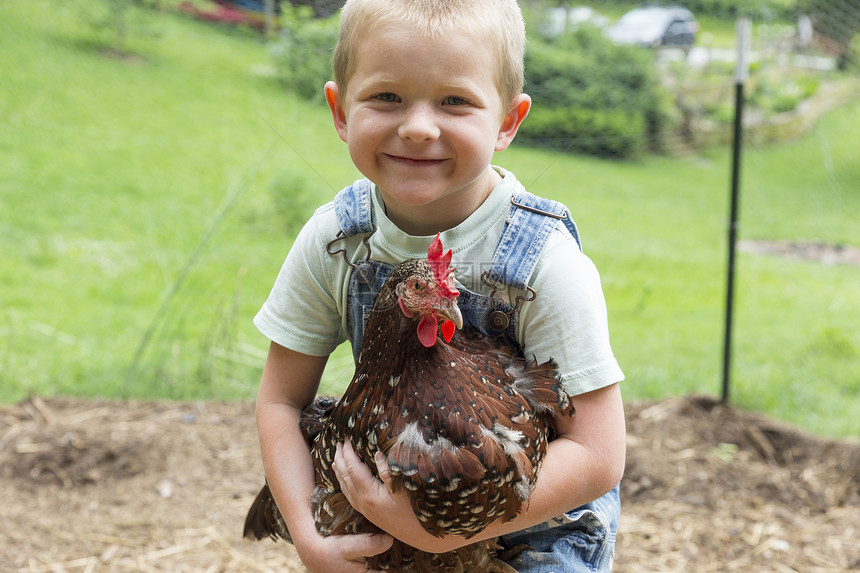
{"points": [[462, 419]]}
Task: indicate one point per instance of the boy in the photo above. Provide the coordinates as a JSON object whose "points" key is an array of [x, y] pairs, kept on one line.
{"points": [[425, 92]]}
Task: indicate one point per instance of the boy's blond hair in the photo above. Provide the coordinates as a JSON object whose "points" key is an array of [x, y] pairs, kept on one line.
{"points": [[499, 22]]}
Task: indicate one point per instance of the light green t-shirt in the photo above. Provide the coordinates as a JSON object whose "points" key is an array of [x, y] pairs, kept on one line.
{"points": [[307, 307]]}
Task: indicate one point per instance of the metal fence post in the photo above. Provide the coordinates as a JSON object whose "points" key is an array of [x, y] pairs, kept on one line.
{"points": [[741, 77]]}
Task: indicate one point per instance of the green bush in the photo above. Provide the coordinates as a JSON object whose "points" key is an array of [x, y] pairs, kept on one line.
{"points": [[853, 58], [592, 97], [779, 95], [609, 133], [302, 54]]}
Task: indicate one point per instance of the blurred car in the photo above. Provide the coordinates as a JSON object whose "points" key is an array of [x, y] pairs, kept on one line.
{"points": [[656, 27], [571, 18]]}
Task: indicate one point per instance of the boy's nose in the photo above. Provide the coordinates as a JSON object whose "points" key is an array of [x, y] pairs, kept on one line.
{"points": [[418, 124]]}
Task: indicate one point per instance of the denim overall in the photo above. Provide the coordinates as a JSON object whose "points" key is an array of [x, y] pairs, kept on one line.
{"points": [[582, 539]]}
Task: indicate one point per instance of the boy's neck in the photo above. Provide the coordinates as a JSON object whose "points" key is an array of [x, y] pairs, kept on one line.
{"points": [[444, 214]]}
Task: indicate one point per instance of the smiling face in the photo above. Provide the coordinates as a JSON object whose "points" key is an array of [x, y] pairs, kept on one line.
{"points": [[422, 117]]}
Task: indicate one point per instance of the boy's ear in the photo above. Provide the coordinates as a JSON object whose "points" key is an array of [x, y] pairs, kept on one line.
{"points": [[511, 122], [332, 97]]}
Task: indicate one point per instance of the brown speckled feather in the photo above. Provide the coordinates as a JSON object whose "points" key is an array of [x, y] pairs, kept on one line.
{"points": [[464, 426]]}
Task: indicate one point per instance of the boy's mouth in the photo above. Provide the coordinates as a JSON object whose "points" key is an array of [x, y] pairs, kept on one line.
{"points": [[414, 161]]}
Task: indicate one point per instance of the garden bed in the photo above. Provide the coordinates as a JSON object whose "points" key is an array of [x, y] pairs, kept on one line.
{"points": [[95, 485]]}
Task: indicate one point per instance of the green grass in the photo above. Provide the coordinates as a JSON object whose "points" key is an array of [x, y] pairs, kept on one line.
{"points": [[114, 170], [658, 231], [146, 205]]}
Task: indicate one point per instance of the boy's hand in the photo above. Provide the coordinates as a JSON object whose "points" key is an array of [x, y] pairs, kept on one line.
{"points": [[368, 495], [373, 498], [344, 553]]}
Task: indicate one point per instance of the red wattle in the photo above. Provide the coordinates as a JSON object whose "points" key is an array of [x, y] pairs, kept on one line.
{"points": [[448, 328], [427, 330]]}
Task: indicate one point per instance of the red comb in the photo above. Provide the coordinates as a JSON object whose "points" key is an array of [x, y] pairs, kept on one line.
{"points": [[439, 262]]}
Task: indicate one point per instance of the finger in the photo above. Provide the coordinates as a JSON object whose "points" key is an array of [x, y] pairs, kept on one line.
{"points": [[378, 543], [349, 455], [338, 461], [362, 545], [338, 458], [343, 461], [382, 468], [360, 476], [341, 472], [353, 465]]}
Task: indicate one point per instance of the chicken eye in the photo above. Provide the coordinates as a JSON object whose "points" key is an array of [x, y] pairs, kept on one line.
{"points": [[417, 287]]}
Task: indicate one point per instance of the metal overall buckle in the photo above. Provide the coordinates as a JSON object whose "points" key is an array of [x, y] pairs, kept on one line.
{"points": [[364, 271], [538, 211], [499, 320]]}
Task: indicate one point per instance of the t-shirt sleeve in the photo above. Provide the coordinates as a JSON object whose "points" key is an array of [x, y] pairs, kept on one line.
{"points": [[567, 320], [301, 312]]}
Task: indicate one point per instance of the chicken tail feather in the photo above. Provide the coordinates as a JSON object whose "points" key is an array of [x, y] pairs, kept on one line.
{"points": [[264, 518]]}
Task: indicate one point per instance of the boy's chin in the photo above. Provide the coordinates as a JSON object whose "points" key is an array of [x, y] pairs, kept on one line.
{"points": [[415, 194]]}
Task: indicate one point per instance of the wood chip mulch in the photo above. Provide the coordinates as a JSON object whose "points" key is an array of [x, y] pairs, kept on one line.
{"points": [[96, 485]]}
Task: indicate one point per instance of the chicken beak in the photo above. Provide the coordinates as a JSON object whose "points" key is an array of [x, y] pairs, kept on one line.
{"points": [[452, 312]]}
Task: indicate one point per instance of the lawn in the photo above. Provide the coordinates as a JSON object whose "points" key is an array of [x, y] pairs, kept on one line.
{"points": [[148, 199]]}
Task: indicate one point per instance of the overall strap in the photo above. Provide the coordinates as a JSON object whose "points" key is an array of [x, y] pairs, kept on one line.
{"points": [[353, 208], [527, 228]]}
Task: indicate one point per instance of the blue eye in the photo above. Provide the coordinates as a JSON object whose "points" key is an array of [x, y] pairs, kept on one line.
{"points": [[387, 97], [454, 100]]}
